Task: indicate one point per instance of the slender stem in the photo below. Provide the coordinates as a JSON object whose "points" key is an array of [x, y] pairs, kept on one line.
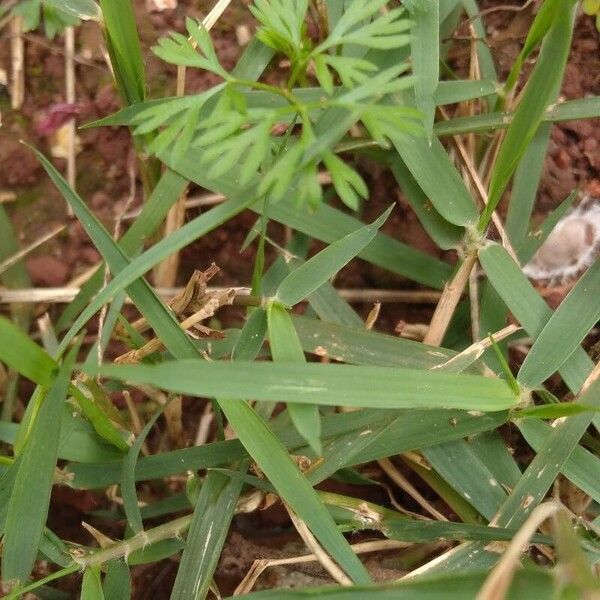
{"points": [[265, 87], [172, 529]]}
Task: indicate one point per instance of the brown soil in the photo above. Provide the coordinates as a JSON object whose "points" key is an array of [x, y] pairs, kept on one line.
{"points": [[103, 182]]}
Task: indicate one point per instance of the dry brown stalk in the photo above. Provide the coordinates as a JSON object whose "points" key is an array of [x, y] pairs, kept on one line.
{"points": [[64, 295], [17, 48], [448, 302], [70, 98]]}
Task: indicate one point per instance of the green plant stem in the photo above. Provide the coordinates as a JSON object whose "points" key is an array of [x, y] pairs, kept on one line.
{"points": [[283, 92], [172, 529]]}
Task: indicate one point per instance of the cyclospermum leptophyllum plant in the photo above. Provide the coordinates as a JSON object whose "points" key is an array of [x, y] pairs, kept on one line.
{"points": [[232, 128]]}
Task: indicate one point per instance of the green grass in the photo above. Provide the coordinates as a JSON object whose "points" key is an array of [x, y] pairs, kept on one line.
{"points": [[368, 89]]}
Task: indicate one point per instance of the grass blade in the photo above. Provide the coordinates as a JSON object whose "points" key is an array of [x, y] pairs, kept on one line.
{"points": [[25, 519], [542, 89], [24, 356], [528, 308], [446, 190], [208, 530], [117, 583], [563, 334], [525, 186], [425, 57], [442, 232], [123, 45], [91, 587], [324, 384], [362, 347], [459, 464], [308, 277], [583, 108], [128, 491], [285, 348], [293, 487]]}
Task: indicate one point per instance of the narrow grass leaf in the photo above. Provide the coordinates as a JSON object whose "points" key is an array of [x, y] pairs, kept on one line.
{"points": [[252, 336], [332, 308], [209, 527], [307, 278], [425, 57], [293, 487], [285, 348], [525, 186], [23, 355], [582, 467], [25, 519], [216, 503], [542, 89], [14, 278], [7, 482], [459, 464], [583, 108], [324, 384], [542, 22], [123, 45], [539, 235], [361, 347], [530, 310], [563, 334], [446, 191], [494, 453], [461, 90], [553, 411], [162, 320], [128, 491], [442, 232], [484, 54]]}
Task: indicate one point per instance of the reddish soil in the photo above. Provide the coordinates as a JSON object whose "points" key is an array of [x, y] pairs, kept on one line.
{"points": [[103, 181]]}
